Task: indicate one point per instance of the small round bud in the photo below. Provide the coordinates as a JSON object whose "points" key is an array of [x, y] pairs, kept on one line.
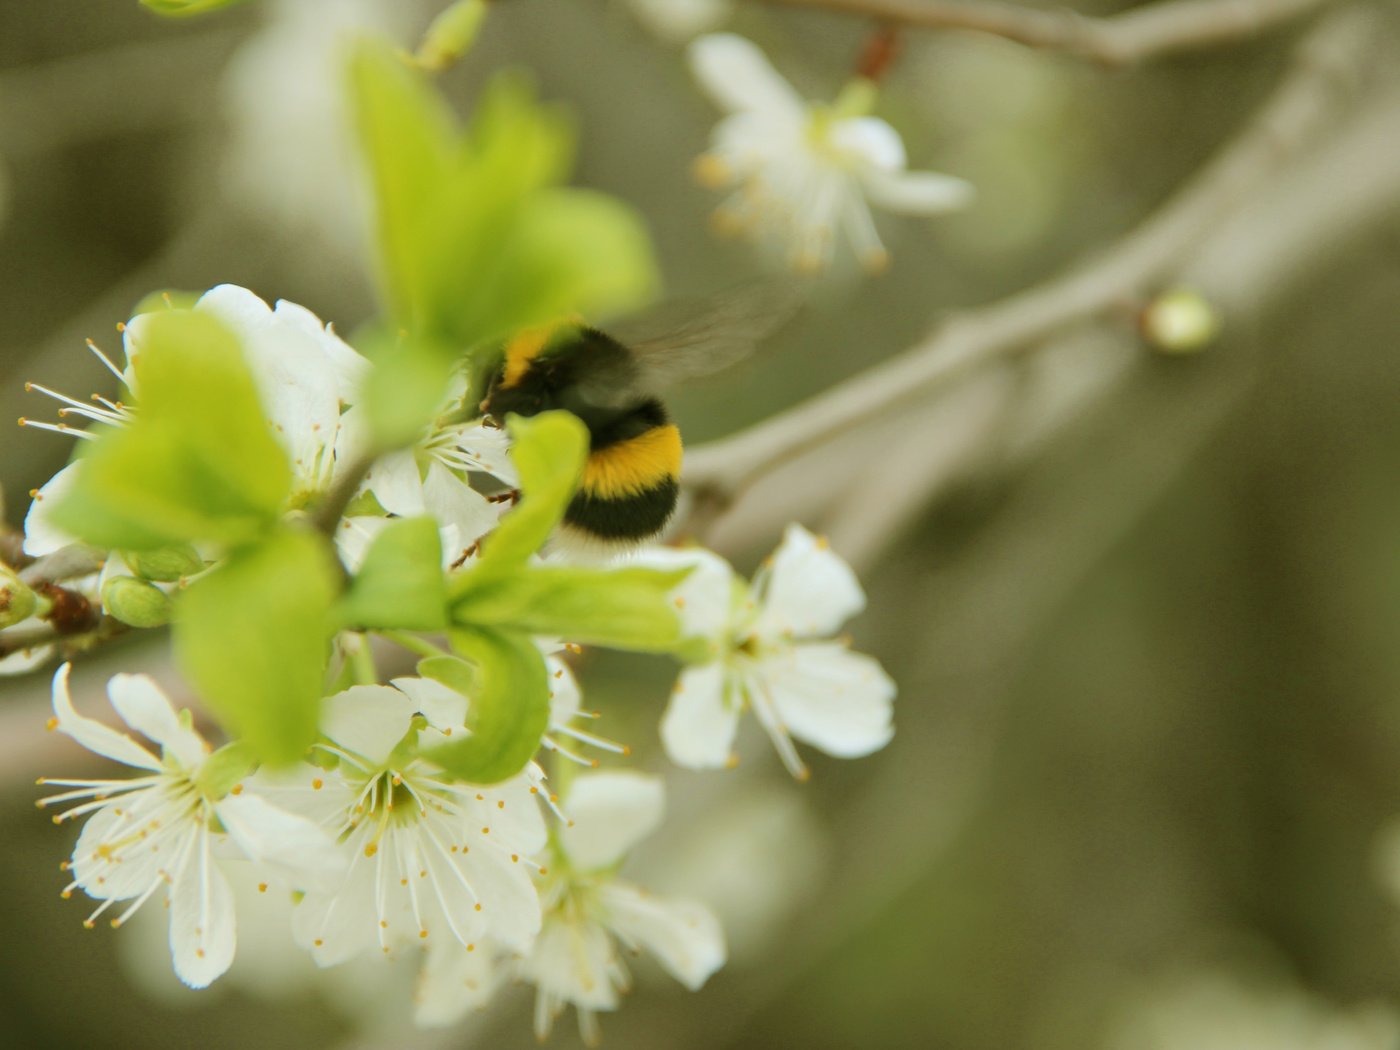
{"points": [[451, 35], [1180, 321], [135, 602], [167, 564], [17, 602]]}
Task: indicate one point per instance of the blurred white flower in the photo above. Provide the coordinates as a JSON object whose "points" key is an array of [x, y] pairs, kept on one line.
{"points": [[292, 153], [588, 910], [305, 374], [767, 648], [426, 857], [679, 20], [162, 830], [806, 174], [1215, 1012]]}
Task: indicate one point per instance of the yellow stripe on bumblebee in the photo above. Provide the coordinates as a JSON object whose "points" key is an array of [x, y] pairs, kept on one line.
{"points": [[635, 465]]}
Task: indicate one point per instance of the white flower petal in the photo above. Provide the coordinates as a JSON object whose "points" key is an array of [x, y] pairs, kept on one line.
{"points": [[117, 872], [298, 385], [610, 813], [680, 19], [806, 590], [573, 962], [701, 718], [510, 903], [453, 982], [91, 733], [337, 926], [830, 697], [41, 535], [870, 142], [564, 693], [202, 934], [738, 77], [353, 537], [347, 364], [237, 307], [301, 853], [22, 661], [456, 505], [685, 936], [145, 708], [917, 192], [368, 720], [487, 449], [397, 484], [443, 707], [704, 600]]}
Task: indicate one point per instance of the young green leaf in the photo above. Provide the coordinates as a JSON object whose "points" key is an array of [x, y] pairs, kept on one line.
{"points": [[181, 8], [252, 638], [476, 238], [198, 462], [400, 585], [548, 451], [624, 608], [509, 709]]}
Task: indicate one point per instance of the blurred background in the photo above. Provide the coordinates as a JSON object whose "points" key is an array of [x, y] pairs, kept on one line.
{"points": [[1142, 607]]}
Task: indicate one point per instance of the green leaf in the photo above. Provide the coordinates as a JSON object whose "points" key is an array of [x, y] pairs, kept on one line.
{"points": [[199, 462], [406, 132], [574, 250], [625, 608], [400, 585], [406, 387], [182, 8], [225, 768], [548, 451], [509, 709], [476, 238], [451, 671], [252, 638]]}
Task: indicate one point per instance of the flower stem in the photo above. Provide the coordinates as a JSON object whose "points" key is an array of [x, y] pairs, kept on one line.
{"points": [[413, 643]]}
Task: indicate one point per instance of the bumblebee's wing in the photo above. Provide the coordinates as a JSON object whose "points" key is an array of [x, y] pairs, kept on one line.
{"points": [[689, 339]]}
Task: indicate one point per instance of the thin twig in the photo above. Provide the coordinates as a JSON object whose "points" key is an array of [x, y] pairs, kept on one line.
{"points": [[329, 511], [1121, 273], [1134, 36], [66, 563]]}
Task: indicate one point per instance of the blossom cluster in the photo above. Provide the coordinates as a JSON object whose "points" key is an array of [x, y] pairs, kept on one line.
{"points": [[386, 847]]}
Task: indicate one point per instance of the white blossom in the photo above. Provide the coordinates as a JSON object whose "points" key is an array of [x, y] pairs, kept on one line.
{"points": [[433, 477], [427, 858], [165, 829], [806, 174], [768, 648], [681, 19], [290, 131], [590, 914], [305, 376]]}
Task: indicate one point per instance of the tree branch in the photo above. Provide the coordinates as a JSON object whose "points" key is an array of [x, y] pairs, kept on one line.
{"points": [[1134, 36], [718, 472]]}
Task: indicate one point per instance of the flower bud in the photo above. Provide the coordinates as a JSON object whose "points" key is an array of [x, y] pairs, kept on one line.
{"points": [[135, 602], [1181, 321], [17, 602], [167, 564], [451, 35]]}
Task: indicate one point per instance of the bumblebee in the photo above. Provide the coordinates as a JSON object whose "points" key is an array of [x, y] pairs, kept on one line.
{"points": [[631, 480]]}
